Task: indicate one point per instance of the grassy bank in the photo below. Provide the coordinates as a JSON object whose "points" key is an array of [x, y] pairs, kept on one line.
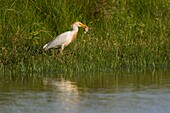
{"points": [[124, 34]]}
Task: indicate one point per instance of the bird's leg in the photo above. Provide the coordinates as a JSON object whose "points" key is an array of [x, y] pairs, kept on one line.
{"points": [[62, 48]]}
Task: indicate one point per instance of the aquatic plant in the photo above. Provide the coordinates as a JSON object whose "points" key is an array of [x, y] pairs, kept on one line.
{"points": [[124, 34]]}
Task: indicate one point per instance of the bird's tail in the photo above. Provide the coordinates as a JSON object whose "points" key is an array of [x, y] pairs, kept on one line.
{"points": [[45, 47]]}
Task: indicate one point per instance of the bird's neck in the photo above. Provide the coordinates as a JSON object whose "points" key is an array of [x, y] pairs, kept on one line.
{"points": [[74, 28]]}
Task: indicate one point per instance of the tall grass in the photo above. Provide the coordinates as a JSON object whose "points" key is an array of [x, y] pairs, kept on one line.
{"points": [[124, 34]]}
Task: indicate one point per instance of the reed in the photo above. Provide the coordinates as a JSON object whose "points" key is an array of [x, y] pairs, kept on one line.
{"points": [[124, 34]]}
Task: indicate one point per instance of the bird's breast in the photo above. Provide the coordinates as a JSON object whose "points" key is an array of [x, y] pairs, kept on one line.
{"points": [[73, 37]]}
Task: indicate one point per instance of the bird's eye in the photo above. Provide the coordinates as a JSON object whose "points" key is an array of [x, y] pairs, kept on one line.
{"points": [[79, 23]]}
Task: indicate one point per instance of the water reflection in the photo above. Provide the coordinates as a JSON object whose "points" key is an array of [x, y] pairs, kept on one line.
{"points": [[67, 93], [137, 92]]}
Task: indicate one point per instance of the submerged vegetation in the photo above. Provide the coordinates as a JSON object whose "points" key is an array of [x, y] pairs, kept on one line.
{"points": [[124, 34]]}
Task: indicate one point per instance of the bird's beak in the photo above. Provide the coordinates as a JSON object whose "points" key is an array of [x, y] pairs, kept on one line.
{"points": [[83, 25], [86, 28]]}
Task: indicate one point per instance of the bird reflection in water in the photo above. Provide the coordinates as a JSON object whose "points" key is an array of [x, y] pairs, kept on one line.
{"points": [[64, 91]]}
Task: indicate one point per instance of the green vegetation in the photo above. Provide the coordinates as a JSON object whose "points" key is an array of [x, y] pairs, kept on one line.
{"points": [[124, 34]]}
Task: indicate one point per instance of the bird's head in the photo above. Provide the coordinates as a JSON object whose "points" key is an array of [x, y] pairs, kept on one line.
{"points": [[79, 24]]}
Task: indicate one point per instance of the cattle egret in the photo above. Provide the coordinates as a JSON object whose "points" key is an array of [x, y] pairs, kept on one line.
{"points": [[64, 39]]}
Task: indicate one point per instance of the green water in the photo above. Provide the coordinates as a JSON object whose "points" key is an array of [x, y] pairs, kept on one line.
{"points": [[119, 92]]}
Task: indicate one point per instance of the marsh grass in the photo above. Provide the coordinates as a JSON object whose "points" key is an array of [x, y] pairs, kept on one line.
{"points": [[124, 34]]}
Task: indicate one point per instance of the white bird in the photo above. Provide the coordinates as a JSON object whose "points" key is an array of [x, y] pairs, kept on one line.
{"points": [[64, 39]]}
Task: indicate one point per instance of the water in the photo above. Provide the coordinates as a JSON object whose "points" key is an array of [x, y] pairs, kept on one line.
{"points": [[138, 92]]}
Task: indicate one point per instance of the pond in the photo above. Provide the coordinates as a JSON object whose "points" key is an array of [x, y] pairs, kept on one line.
{"points": [[119, 92]]}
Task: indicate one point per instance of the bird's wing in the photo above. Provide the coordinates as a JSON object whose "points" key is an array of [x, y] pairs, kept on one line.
{"points": [[59, 40]]}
